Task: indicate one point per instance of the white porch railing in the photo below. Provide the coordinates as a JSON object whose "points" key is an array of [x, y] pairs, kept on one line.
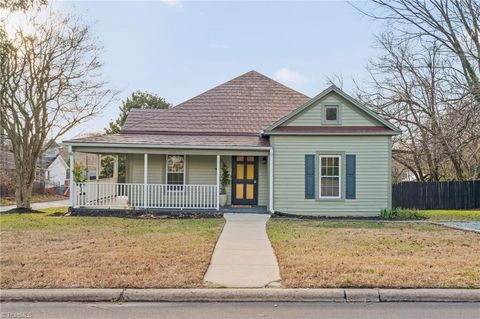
{"points": [[127, 195]]}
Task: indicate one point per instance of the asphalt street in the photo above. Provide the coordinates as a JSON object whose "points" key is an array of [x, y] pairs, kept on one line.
{"points": [[241, 310]]}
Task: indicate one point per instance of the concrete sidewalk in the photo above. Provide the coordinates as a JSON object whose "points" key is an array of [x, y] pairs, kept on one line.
{"points": [[243, 256], [52, 204]]}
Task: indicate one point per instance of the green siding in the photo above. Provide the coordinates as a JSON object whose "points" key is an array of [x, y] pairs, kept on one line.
{"points": [[262, 181], [156, 168], [349, 114], [201, 170], [372, 174]]}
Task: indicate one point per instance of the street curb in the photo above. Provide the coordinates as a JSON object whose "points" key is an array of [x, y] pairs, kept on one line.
{"points": [[240, 295], [61, 295], [427, 295], [235, 295], [362, 295]]}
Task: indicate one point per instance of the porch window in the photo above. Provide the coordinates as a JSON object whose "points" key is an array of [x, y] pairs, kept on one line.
{"points": [[175, 172], [330, 176]]}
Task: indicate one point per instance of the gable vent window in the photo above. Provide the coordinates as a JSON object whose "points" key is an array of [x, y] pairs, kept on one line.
{"points": [[331, 114], [175, 172]]}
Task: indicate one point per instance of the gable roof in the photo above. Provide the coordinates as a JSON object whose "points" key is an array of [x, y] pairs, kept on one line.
{"points": [[365, 110], [245, 105], [46, 162]]}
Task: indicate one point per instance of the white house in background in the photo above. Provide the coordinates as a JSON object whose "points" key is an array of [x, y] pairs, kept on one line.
{"points": [[56, 172]]}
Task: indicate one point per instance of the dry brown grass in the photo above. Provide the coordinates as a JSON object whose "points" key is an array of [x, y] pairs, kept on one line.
{"points": [[38, 251], [371, 254], [40, 198]]}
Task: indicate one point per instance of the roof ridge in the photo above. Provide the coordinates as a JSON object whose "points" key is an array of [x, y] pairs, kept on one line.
{"points": [[247, 103], [281, 84], [236, 78]]}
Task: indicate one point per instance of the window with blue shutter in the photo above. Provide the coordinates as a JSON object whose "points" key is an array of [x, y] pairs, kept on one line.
{"points": [[309, 176], [350, 192]]}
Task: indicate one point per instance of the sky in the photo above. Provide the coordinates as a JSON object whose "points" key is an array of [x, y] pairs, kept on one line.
{"points": [[179, 49]]}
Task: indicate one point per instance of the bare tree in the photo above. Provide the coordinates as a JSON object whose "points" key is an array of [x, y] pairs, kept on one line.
{"points": [[414, 85], [335, 79], [453, 24], [21, 4], [50, 82]]}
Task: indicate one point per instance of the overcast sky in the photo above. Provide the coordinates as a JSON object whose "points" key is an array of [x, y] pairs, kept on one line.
{"points": [[178, 49]]}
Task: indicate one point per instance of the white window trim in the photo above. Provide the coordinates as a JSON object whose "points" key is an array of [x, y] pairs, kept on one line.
{"points": [[184, 172], [339, 177]]}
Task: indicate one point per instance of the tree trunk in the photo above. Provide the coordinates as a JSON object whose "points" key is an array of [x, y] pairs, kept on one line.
{"points": [[25, 176], [23, 191]]}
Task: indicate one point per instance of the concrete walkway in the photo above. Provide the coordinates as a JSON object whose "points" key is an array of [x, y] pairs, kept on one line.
{"points": [[243, 256], [52, 204]]}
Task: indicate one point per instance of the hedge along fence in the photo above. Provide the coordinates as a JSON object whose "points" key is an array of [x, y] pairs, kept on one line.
{"points": [[437, 195]]}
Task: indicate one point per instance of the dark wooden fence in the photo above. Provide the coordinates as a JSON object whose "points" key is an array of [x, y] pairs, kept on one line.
{"points": [[437, 195]]}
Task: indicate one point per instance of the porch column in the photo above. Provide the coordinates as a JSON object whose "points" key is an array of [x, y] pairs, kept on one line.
{"points": [[270, 181], [115, 169], [218, 182], [145, 179], [99, 166], [71, 182]]}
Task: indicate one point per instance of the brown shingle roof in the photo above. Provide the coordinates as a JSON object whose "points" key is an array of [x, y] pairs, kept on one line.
{"points": [[245, 105], [176, 140]]}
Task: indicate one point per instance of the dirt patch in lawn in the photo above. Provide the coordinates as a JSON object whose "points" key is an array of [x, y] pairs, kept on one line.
{"points": [[374, 254], [40, 251]]}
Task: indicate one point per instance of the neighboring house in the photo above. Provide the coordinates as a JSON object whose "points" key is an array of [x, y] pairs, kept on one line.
{"points": [[328, 155], [52, 168], [56, 172]]}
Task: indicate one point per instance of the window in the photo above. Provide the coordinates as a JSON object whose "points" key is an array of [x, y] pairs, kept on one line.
{"points": [[330, 180], [175, 171], [331, 114]]}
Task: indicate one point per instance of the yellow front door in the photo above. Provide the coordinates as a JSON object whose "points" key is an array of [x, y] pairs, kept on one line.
{"points": [[244, 180]]}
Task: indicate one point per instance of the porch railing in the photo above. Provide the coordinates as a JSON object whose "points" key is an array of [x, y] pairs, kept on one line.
{"points": [[128, 195]]}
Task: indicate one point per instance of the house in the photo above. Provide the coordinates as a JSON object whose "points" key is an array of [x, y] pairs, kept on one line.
{"points": [[286, 152], [55, 172], [52, 166]]}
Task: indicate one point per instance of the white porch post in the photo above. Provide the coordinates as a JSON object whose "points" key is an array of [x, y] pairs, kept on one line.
{"points": [[145, 179], [270, 181], [115, 169], [72, 182], [218, 182], [99, 166]]}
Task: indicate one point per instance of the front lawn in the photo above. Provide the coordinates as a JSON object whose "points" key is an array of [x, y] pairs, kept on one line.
{"points": [[5, 201], [460, 215], [314, 253], [41, 251]]}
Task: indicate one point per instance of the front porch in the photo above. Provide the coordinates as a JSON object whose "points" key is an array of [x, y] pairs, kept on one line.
{"points": [[177, 180]]}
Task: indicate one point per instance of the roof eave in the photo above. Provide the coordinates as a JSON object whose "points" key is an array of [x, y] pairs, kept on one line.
{"points": [[388, 133], [164, 146]]}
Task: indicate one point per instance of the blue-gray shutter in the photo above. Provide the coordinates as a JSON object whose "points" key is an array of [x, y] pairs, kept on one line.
{"points": [[309, 176], [350, 177]]}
